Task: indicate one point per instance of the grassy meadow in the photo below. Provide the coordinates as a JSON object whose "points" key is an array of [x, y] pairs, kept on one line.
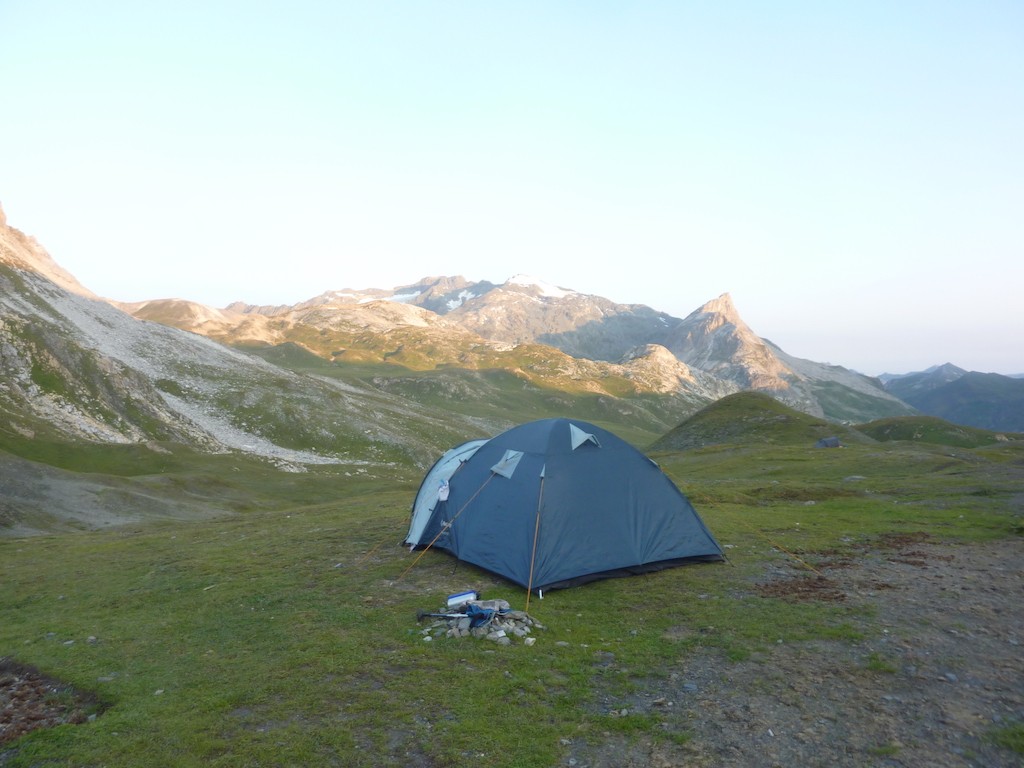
{"points": [[286, 633]]}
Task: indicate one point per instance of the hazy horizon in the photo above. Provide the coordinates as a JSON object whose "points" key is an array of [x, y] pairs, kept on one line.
{"points": [[852, 176]]}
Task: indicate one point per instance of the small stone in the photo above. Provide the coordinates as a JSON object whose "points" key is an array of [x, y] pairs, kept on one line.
{"points": [[427, 639], [91, 639], [530, 641], [158, 692]]}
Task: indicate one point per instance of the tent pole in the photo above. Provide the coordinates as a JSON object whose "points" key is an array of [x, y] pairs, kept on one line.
{"points": [[533, 553]]}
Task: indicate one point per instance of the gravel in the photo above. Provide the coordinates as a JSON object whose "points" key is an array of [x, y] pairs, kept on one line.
{"points": [[939, 669]]}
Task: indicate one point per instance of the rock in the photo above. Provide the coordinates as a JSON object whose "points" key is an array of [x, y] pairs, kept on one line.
{"points": [[502, 627]]}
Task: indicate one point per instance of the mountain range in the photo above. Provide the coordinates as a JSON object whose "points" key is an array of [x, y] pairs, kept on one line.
{"points": [[983, 400], [377, 376], [449, 321]]}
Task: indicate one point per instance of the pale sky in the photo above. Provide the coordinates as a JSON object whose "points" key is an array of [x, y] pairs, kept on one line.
{"points": [[851, 173]]}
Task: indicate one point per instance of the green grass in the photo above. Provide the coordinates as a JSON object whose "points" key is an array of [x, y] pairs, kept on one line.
{"points": [[286, 635], [1010, 736], [929, 429]]}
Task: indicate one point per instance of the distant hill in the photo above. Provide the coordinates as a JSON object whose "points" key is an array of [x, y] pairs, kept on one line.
{"points": [[931, 429], [983, 400], [752, 418]]}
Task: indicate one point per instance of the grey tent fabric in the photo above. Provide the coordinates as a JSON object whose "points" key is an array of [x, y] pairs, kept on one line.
{"points": [[579, 504], [507, 466]]}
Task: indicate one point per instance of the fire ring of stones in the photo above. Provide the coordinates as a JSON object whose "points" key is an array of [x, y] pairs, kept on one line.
{"points": [[492, 620]]}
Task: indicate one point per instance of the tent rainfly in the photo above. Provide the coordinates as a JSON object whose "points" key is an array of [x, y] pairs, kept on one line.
{"points": [[557, 503]]}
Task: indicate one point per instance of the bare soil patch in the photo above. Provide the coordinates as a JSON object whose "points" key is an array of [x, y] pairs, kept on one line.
{"points": [[30, 700], [939, 670]]}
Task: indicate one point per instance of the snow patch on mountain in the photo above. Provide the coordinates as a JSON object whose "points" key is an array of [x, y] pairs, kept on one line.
{"points": [[459, 300], [404, 298], [547, 290]]}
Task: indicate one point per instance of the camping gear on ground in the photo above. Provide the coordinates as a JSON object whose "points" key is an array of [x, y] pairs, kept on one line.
{"points": [[479, 612], [490, 619], [556, 503], [461, 598], [420, 615], [478, 615]]}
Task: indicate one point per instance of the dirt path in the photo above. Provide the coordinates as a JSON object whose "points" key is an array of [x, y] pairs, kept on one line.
{"points": [[945, 671]]}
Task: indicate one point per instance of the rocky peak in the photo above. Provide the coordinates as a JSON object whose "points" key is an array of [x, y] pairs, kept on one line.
{"points": [[23, 252], [714, 338], [946, 372], [722, 308]]}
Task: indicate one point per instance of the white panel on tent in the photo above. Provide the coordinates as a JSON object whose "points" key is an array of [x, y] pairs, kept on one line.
{"points": [[507, 466], [579, 437], [430, 489]]}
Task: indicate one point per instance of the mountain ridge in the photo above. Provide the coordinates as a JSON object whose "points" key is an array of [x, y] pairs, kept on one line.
{"points": [[116, 412], [970, 398], [522, 310], [548, 334]]}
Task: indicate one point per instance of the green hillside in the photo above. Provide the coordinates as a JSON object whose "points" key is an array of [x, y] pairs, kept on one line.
{"points": [[750, 418], [496, 397], [931, 429]]}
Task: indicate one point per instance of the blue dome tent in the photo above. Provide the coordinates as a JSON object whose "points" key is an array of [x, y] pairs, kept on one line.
{"points": [[557, 503]]}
